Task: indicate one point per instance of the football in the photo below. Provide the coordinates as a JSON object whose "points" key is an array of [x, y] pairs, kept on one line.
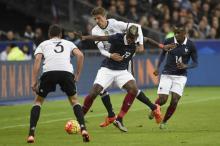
{"points": [[72, 127]]}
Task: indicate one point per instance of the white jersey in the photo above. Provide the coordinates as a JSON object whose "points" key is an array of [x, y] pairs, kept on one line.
{"points": [[56, 53], [113, 27]]}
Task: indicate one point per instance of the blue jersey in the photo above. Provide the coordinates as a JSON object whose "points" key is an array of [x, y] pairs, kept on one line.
{"points": [[182, 53], [118, 45]]}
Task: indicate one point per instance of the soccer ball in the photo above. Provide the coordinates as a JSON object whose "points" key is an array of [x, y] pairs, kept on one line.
{"points": [[72, 127]]}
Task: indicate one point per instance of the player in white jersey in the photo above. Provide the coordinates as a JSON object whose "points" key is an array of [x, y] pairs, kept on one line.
{"points": [[57, 69]]}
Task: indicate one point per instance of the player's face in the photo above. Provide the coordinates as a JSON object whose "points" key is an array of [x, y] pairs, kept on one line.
{"points": [[131, 40], [100, 20], [179, 34]]}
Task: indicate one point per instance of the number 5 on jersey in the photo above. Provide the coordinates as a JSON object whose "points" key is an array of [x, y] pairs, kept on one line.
{"points": [[59, 48]]}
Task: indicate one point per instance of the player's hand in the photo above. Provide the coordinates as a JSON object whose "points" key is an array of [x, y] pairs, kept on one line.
{"points": [[156, 72], [116, 57], [181, 65], [169, 47], [34, 86]]}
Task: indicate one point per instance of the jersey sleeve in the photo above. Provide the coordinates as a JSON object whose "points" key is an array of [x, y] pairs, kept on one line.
{"points": [[100, 45], [95, 32], [39, 49], [72, 46], [120, 25]]}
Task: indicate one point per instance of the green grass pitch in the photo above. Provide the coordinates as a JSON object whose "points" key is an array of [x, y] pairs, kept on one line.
{"points": [[195, 123]]}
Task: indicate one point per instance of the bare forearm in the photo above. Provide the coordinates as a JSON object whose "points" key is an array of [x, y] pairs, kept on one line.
{"points": [[36, 70], [95, 38], [80, 60], [152, 42]]}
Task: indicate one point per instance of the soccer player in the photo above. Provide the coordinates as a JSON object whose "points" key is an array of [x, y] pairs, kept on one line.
{"points": [[109, 27], [174, 74], [116, 71], [57, 69]]}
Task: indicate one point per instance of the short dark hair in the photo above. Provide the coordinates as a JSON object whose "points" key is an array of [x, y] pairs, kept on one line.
{"points": [[54, 30], [98, 11], [132, 31]]}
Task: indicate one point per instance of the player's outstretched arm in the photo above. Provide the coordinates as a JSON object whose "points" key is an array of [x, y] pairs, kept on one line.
{"points": [[95, 38], [36, 69], [79, 62], [167, 47], [91, 37]]}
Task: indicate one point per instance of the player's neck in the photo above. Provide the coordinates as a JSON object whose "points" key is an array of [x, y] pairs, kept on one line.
{"points": [[105, 25], [56, 37]]}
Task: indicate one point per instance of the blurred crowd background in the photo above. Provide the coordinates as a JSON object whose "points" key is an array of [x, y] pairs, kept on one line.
{"points": [[26, 21]]}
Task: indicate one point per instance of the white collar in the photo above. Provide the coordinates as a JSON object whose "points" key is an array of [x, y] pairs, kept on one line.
{"points": [[55, 38], [125, 40], [184, 42]]}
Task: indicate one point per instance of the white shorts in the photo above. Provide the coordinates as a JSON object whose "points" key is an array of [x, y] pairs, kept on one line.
{"points": [[105, 77], [171, 83]]}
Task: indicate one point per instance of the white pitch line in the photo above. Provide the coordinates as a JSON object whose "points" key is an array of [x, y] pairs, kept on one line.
{"points": [[26, 117], [102, 114]]}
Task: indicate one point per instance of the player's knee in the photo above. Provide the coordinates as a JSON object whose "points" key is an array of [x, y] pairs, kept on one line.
{"points": [[175, 101], [133, 91], [163, 99], [96, 90], [74, 100], [38, 100], [94, 93]]}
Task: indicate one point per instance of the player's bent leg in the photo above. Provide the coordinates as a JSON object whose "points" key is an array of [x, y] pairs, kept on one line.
{"points": [[77, 109], [34, 117], [172, 107], [107, 103], [88, 101], [132, 91]]}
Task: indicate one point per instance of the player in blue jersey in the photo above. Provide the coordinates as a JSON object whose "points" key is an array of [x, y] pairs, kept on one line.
{"points": [[116, 71], [174, 74]]}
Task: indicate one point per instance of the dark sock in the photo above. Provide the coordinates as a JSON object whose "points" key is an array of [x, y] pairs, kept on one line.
{"points": [[87, 104], [144, 99], [170, 110], [77, 109], [108, 105], [34, 117], [128, 100]]}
